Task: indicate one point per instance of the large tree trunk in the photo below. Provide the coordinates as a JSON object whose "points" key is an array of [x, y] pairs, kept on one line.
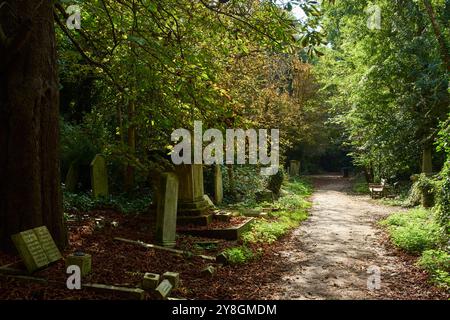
{"points": [[440, 37], [30, 193]]}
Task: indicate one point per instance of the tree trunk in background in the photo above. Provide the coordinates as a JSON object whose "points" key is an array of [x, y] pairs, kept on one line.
{"points": [[232, 185], [444, 50], [129, 170], [30, 191], [427, 164]]}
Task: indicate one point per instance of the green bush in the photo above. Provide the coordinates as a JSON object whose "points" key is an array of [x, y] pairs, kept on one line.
{"points": [[414, 231], [290, 210], [422, 191], [239, 255], [360, 185], [437, 264], [443, 199], [84, 202]]}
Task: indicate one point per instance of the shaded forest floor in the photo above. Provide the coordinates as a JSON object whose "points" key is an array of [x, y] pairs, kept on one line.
{"points": [[325, 258]]}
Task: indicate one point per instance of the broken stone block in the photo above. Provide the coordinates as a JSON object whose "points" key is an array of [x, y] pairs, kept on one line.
{"points": [[82, 260], [223, 216], [150, 281], [164, 288], [209, 201], [173, 277], [209, 271]]}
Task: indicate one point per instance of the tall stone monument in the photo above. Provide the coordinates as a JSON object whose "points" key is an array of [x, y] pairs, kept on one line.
{"points": [[294, 168], [166, 211], [192, 206]]}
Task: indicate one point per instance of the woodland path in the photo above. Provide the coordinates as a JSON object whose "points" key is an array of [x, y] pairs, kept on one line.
{"points": [[329, 255]]}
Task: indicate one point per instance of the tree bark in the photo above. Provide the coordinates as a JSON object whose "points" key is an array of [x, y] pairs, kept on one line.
{"points": [[30, 191], [445, 55]]}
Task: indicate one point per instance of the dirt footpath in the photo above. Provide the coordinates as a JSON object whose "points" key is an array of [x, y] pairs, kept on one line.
{"points": [[339, 248]]}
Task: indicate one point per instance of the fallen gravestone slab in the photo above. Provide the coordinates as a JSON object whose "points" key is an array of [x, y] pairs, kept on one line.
{"points": [[45, 239], [209, 271], [173, 277], [175, 251], [36, 248], [134, 293], [164, 289]]}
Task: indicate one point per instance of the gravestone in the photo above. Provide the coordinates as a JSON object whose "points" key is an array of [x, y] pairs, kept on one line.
{"points": [[36, 248], [166, 211], [164, 289], [82, 260], [192, 207], [47, 243], [218, 185], [150, 281], [173, 277], [99, 177], [71, 178], [294, 168]]}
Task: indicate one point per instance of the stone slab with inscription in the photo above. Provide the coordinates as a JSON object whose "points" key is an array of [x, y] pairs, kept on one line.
{"points": [[36, 248]]}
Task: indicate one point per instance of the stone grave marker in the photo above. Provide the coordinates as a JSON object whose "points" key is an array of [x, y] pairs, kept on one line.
{"points": [[150, 281], [71, 178], [164, 289], [166, 211], [47, 243], [82, 260], [173, 277], [30, 250], [218, 185], [294, 168], [36, 248], [99, 177]]}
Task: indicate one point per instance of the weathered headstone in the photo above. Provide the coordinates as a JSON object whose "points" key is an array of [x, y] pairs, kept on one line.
{"points": [[71, 178], [166, 212], [192, 207], [164, 289], [173, 277], [218, 184], [264, 195], [82, 260], [150, 281], [294, 168], [45, 239], [99, 177], [30, 250]]}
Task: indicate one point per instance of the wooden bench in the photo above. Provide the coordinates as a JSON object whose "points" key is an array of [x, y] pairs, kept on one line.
{"points": [[379, 190]]}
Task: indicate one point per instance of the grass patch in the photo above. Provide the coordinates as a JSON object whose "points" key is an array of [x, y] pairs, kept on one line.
{"points": [[417, 231], [291, 209], [239, 255], [437, 264], [414, 231]]}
